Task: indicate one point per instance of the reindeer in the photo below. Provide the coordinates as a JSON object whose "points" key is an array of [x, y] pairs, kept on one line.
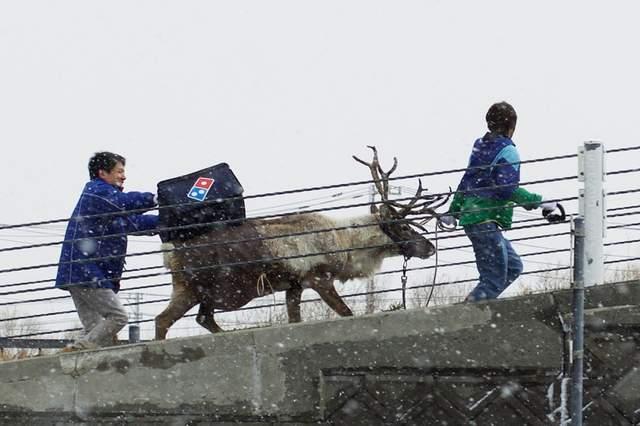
{"points": [[229, 266]]}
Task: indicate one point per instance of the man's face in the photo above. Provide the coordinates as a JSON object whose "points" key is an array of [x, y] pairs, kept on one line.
{"points": [[115, 176]]}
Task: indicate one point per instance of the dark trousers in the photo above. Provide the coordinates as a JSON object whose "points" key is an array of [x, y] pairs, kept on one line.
{"points": [[497, 262]]}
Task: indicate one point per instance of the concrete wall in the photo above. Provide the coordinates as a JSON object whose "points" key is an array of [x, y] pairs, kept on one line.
{"points": [[338, 371]]}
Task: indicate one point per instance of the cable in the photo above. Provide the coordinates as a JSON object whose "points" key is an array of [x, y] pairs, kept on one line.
{"points": [[630, 148], [305, 301], [293, 191], [373, 224], [389, 290], [612, 193], [621, 172], [271, 216], [244, 263], [627, 191], [356, 294], [254, 261], [632, 259]]}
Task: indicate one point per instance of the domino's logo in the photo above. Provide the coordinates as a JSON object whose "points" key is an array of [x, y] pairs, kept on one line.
{"points": [[200, 189]]}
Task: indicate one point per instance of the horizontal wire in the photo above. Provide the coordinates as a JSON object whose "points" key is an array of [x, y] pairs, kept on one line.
{"points": [[161, 251], [460, 235], [241, 263], [347, 296], [278, 259], [621, 172], [624, 214], [109, 257], [380, 273], [339, 196], [270, 216], [634, 206], [73, 311], [626, 191], [626, 225], [217, 243], [223, 243], [235, 242], [625, 149], [632, 259], [612, 193], [293, 191], [395, 178]]}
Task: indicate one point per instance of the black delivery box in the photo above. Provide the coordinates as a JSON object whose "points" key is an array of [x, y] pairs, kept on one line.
{"points": [[203, 197]]}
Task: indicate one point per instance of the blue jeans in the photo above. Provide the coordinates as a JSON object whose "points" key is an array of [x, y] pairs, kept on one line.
{"points": [[497, 262]]}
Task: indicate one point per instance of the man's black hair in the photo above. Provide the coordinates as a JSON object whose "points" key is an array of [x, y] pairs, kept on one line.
{"points": [[501, 118], [104, 161]]}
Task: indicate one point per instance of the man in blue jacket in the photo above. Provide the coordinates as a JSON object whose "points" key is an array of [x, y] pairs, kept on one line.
{"points": [[484, 202], [93, 253]]}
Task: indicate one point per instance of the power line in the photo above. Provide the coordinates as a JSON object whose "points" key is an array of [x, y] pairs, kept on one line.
{"points": [[618, 172], [270, 216], [359, 294], [463, 263], [232, 264], [293, 191], [257, 260]]}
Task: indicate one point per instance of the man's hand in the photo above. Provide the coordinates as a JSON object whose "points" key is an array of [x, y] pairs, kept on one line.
{"points": [[548, 207]]}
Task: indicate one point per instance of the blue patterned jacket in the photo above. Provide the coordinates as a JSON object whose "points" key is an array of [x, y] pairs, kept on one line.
{"points": [[93, 252]]}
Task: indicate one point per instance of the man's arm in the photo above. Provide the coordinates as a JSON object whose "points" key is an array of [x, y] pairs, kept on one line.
{"points": [[143, 222], [118, 199], [132, 200], [526, 199]]}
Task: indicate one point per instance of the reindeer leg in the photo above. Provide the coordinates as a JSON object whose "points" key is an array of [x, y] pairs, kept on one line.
{"points": [[206, 320], [328, 293], [182, 299], [293, 303]]}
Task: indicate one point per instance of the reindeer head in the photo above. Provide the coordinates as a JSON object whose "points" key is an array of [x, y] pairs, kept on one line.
{"points": [[393, 217]]}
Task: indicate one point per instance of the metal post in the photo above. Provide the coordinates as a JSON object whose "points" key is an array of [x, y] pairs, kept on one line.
{"points": [[594, 212], [134, 333], [134, 329], [588, 257], [578, 322]]}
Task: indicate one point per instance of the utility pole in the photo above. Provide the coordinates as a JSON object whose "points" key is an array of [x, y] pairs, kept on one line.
{"points": [[589, 234], [593, 209]]}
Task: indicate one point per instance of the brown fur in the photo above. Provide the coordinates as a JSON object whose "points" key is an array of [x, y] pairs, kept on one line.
{"points": [[250, 273]]}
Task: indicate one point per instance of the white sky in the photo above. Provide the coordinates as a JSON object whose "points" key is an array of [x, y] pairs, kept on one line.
{"points": [[287, 91]]}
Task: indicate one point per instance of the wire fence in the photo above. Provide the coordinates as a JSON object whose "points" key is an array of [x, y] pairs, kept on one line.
{"points": [[554, 254]]}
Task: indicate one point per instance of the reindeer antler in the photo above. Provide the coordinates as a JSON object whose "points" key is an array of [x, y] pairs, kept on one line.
{"points": [[420, 203], [380, 178], [431, 210]]}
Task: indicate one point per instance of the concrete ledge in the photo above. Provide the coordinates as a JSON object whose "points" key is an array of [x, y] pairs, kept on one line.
{"points": [[275, 374]]}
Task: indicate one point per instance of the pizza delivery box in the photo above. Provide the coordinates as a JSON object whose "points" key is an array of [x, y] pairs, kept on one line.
{"points": [[190, 205]]}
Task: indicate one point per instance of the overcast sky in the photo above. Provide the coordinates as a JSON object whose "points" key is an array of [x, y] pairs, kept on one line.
{"points": [[287, 91]]}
